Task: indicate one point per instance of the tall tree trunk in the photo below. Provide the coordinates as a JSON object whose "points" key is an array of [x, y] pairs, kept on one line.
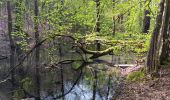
{"points": [[114, 20], [167, 45], [12, 45], [151, 58], [18, 27], [97, 16], [146, 19], [37, 50], [165, 31]]}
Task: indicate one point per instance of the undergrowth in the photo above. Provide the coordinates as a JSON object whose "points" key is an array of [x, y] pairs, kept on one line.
{"points": [[136, 76]]}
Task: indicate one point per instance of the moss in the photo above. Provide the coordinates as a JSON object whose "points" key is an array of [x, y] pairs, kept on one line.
{"points": [[136, 76]]}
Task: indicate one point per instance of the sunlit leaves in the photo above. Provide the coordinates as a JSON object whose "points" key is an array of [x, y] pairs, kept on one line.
{"points": [[123, 43]]}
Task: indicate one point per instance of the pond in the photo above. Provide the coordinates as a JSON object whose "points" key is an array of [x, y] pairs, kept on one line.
{"points": [[77, 80], [74, 81]]}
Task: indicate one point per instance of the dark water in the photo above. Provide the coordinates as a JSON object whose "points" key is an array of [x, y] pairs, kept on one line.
{"points": [[72, 81], [75, 81]]}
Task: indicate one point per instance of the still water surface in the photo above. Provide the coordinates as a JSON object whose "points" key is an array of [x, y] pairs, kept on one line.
{"points": [[66, 82]]}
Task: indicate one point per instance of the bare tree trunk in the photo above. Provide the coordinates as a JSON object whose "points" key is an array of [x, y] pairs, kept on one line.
{"points": [[37, 50], [147, 19], [151, 59], [98, 16], [114, 20], [12, 45], [18, 27], [165, 31]]}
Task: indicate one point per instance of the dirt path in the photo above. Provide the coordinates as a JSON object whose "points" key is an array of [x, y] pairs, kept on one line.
{"points": [[158, 89]]}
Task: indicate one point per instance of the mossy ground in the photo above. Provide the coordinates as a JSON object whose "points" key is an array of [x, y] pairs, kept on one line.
{"points": [[136, 76]]}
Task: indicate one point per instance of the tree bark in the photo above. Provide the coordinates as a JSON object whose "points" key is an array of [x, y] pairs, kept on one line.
{"points": [[151, 58], [114, 21], [98, 16], [96, 54], [12, 45], [165, 31], [37, 50], [146, 19]]}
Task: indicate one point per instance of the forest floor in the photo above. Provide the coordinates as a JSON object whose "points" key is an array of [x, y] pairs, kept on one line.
{"points": [[157, 89]]}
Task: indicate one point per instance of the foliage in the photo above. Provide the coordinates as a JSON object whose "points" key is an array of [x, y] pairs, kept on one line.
{"points": [[77, 18], [27, 83], [123, 43], [64, 17], [135, 76], [19, 34]]}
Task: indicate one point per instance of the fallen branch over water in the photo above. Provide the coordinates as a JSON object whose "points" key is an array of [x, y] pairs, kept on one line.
{"points": [[95, 54]]}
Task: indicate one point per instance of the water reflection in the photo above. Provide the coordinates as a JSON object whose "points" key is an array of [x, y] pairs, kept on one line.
{"points": [[74, 81]]}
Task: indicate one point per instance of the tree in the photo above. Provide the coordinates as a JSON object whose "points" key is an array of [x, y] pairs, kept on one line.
{"points": [[114, 21], [18, 34], [97, 28], [166, 33], [147, 18], [12, 44], [152, 62], [37, 50], [158, 51]]}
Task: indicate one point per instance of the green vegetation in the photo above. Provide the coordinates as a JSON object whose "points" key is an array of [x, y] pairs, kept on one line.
{"points": [[79, 20], [47, 37], [136, 76]]}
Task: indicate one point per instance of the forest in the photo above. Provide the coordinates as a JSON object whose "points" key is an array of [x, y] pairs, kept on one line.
{"points": [[84, 49]]}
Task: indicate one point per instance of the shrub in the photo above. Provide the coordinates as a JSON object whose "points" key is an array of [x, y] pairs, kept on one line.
{"points": [[135, 76]]}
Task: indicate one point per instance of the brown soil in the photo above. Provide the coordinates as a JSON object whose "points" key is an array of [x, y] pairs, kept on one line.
{"points": [[157, 89]]}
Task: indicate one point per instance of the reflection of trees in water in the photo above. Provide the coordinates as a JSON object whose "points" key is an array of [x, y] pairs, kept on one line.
{"points": [[63, 72], [75, 76], [94, 84], [74, 86]]}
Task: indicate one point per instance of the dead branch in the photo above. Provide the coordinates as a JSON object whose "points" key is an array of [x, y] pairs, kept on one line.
{"points": [[95, 54]]}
